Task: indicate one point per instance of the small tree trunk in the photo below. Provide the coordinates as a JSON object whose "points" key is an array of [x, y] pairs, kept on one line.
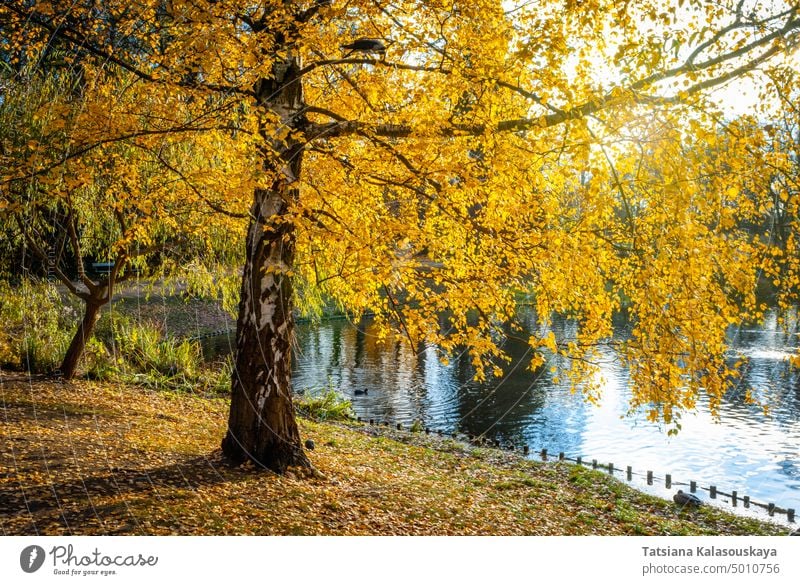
{"points": [[91, 314]]}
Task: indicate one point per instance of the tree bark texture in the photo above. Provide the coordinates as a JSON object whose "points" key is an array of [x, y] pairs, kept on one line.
{"points": [[261, 424], [72, 357]]}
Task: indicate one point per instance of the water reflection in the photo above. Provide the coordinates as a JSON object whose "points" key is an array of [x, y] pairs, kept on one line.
{"points": [[747, 451]]}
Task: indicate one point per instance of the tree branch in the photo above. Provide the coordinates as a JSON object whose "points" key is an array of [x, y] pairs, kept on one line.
{"points": [[185, 179], [370, 61], [312, 11], [89, 147], [43, 257], [77, 39], [616, 97], [350, 82], [76, 249], [688, 65]]}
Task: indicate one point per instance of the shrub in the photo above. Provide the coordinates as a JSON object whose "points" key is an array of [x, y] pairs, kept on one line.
{"points": [[38, 324], [100, 362], [111, 324], [145, 356], [325, 405], [144, 347], [215, 378]]}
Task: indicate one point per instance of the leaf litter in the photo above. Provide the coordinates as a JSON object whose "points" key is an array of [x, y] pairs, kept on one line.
{"points": [[102, 458]]}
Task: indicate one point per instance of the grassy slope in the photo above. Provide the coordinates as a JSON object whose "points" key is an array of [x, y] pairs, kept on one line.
{"points": [[86, 458]]}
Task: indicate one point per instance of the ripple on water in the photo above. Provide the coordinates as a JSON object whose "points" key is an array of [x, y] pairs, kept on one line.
{"points": [[755, 454]]}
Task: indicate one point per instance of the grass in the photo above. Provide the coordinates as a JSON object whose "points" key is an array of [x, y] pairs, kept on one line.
{"points": [[324, 405], [140, 353], [100, 458]]}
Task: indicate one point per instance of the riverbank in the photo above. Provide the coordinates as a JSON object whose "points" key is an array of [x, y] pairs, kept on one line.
{"points": [[105, 458]]}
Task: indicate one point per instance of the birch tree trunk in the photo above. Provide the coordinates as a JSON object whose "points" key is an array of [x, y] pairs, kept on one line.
{"points": [[261, 424]]}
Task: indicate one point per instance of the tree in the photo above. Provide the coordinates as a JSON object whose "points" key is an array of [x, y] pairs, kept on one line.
{"points": [[782, 157], [120, 204], [490, 150]]}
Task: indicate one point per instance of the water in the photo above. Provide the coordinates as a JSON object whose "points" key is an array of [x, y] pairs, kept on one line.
{"points": [[745, 450]]}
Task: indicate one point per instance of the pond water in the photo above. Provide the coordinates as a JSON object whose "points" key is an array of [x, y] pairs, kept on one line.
{"points": [[746, 450]]}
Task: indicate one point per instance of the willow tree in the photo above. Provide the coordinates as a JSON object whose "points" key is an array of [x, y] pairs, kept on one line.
{"points": [[430, 161], [137, 208]]}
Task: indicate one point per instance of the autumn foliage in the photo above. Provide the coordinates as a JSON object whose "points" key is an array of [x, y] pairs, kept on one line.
{"points": [[579, 153]]}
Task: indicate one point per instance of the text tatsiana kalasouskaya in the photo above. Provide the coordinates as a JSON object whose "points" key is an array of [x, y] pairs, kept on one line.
{"points": [[709, 551]]}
